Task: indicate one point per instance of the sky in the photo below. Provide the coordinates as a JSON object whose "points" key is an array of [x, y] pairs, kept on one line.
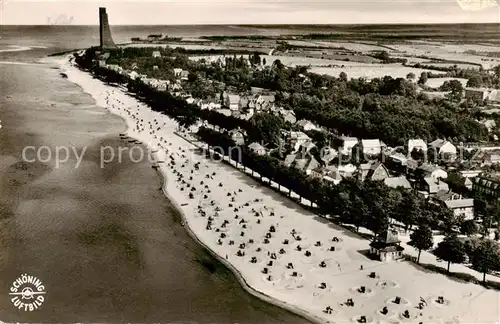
{"points": [[186, 12]]}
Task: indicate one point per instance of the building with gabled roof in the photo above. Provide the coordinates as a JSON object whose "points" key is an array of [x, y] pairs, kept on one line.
{"points": [[432, 170], [346, 170], [371, 146], [397, 182], [306, 125], [287, 115], [487, 184], [444, 147], [328, 154], [461, 207], [431, 186], [348, 144], [386, 246], [232, 101], [289, 159], [417, 144], [238, 136], [257, 148]]}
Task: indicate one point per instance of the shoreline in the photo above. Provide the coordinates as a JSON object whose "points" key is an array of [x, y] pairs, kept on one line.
{"points": [[239, 276], [307, 301], [186, 224]]}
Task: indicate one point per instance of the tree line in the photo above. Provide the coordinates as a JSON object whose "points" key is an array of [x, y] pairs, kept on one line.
{"points": [[368, 204]]}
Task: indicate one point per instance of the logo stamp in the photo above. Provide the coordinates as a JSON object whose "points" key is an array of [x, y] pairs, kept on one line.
{"points": [[475, 5], [27, 293]]}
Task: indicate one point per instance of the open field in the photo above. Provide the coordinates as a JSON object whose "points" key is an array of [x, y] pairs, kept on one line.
{"points": [[437, 82], [370, 71], [450, 64], [186, 46], [446, 52], [351, 46]]}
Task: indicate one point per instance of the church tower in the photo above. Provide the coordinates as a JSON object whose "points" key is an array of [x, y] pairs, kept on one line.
{"points": [[106, 41]]}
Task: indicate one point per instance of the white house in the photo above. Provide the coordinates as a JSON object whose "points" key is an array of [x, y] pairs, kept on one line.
{"points": [[156, 54], [396, 182], [288, 115], [329, 173], [455, 202], [306, 147], [238, 136], [306, 125], [177, 72], [433, 171], [297, 139], [184, 75], [133, 75], [468, 183], [444, 147], [232, 101], [462, 207], [328, 154], [371, 146], [348, 144], [209, 105], [195, 127], [257, 148], [432, 186], [306, 164], [386, 246], [346, 170], [417, 144]]}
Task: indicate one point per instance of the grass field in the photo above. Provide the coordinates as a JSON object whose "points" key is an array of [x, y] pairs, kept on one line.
{"points": [[437, 82], [370, 71]]}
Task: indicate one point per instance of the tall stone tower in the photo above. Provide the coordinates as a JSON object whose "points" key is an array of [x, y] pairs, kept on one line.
{"points": [[106, 41]]}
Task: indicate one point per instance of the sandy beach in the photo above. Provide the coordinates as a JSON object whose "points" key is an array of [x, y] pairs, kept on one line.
{"points": [[280, 251]]}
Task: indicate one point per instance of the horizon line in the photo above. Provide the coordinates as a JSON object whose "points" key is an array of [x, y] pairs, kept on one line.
{"points": [[277, 25]]}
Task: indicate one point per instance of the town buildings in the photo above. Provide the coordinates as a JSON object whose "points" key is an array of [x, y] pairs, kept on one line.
{"points": [[487, 184], [444, 148], [371, 146], [476, 94], [348, 144], [417, 144], [256, 148], [232, 101], [238, 136], [461, 207], [397, 182]]}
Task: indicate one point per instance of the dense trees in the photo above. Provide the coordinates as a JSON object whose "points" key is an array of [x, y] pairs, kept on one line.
{"points": [[451, 249], [468, 227], [368, 203], [385, 108], [485, 257], [423, 78], [421, 239], [455, 89], [265, 129]]}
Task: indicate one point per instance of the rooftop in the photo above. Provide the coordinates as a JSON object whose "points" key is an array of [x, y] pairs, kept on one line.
{"points": [[386, 238], [396, 182], [459, 203]]}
